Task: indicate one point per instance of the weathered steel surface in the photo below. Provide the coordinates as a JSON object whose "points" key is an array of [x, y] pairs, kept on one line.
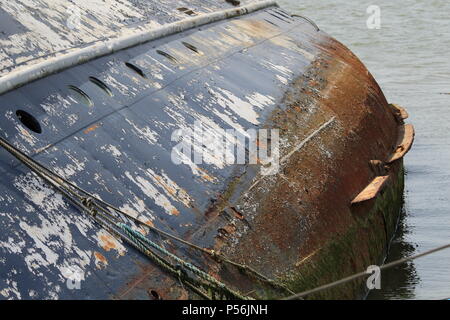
{"points": [[34, 30], [302, 222], [263, 70], [35, 69]]}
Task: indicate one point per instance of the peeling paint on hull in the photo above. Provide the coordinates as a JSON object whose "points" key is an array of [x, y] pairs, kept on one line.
{"points": [[255, 71]]}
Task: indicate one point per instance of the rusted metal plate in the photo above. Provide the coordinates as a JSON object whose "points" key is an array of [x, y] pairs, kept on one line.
{"points": [[406, 139], [372, 190], [295, 216]]}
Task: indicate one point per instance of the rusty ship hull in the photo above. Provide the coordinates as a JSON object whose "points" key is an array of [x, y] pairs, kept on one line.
{"points": [[105, 123]]}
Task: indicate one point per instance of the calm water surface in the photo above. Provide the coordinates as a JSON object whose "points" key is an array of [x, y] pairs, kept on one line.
{"points": [[410, 58]]}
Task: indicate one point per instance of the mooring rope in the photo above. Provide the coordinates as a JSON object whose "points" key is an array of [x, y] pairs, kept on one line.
{"points": [[102, 213], [364, 273], [143, 243], [99, 204], [209, 287]]}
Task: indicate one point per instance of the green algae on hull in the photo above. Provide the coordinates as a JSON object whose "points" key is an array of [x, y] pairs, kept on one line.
{"points": [[365, 243]]}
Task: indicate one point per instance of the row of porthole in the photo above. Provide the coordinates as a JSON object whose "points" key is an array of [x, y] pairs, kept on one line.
{"points": [[33, 124], [281, 16], [30, 122], [190, 12]]}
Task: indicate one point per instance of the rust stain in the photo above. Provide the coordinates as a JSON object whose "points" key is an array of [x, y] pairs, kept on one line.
{"points": [[237, 214], [152, 278], [149, 223], [331, 171], [206, 176], [92, 128], [100, 260], [110, 243], [25, 132], [165, 186], [399, 111]]}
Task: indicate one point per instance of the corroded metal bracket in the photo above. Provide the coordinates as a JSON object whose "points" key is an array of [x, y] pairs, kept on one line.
{"points": [[372, 190], [405, 141], [399, 111]]}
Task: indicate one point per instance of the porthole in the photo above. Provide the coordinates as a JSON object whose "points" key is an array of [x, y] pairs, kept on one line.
{"points": [[29, 121], [136, 69], [81, 96], [168, 56], [234, 2], [101, 85], [191, 47], [283, 14], [279, 17], [187, 11], [154, 295], [272, 23]]}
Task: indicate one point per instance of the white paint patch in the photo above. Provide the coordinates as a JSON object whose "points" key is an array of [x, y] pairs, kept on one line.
{"points": [[228, 100], [39, 193], [171, 189], [57, 105], [70, 169], [261, 101], [196, 170], [12, 291], [283, 80], [226, 117], [113, 83], [278, 68], [108, 242], [13, 246], [144, 132], [47, 30], [149, 190], [137, 209], [116, 153], [52, 245]]}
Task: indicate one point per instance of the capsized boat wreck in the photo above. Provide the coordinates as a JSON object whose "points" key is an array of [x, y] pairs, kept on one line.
{"points": [[92, 203]]}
